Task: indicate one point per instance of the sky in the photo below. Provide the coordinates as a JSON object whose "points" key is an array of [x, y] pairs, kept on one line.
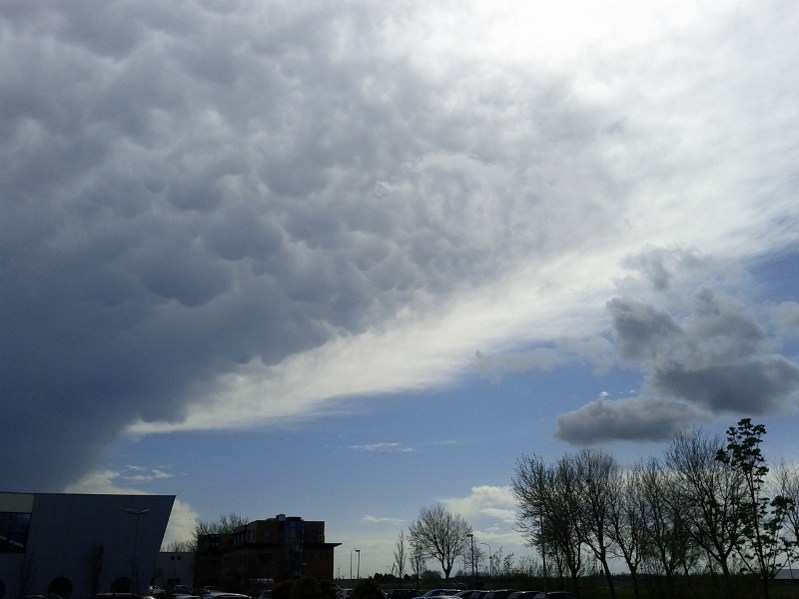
{"points": [[343, 261]]}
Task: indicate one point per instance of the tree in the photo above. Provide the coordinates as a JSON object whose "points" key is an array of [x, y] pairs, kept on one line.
{"points": [[227, 523], [549, 504], [627, 524], [417, 561], [708, 495], [440, 536], [598, 473], [760, 545], [367, 588], [400, 556], [305, 588], [665, 536]]}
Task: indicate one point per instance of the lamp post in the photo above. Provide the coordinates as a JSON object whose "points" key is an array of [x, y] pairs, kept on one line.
{"points": [[471, 540], [358, 551], [490, 567], [359, 554], [135, 561]]}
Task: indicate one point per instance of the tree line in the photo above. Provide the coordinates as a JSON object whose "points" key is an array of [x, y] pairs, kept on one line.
{"points": [[708, 505]]}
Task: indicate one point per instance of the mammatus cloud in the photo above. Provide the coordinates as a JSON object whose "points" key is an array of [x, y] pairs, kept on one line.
{"points": [[222, 217], [708, 355]]}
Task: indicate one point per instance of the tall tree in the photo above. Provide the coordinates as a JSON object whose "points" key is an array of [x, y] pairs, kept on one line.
{"points": [[627, 518], [549, 503], [400, 555], [440, 535], [666, 540], [709, 495], [599, 475], [760, 546]]}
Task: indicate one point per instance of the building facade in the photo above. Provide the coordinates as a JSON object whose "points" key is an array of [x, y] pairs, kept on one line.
{"points": [[76, 545], [263, 551]]}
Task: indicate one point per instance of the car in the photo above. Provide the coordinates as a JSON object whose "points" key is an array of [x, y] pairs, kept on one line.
{"points": [[343, 593], [500, 593], [182, 589], [472, 594], [439, 593], [524, 595], [555, 595], [402, 593]]}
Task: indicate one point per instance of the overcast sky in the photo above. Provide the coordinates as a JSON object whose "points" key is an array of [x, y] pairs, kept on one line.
{"points": [[345, 260]]}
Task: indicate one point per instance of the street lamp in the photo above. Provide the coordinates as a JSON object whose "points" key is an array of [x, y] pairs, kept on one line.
{"points": [[359, 555], [138, 514], [490, 567], [358, 551]]}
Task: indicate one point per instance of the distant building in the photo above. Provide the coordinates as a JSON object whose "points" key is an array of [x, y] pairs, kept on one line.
{"points": [[264, 550], [77, 545], [173, 568]]}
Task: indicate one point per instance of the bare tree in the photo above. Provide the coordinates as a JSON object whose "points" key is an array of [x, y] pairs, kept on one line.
{"points": [[666, 538], [440, 535], [400, 556], [549, 503], [709, 495], [600, 486], [627, 519], [226, 523], [786, 479]]}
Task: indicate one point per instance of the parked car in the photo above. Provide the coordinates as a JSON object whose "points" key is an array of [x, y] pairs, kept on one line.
{"points": [[500, 593], [182, 589], [555, 595], [402, 593], [524, 595], [439, 593]]}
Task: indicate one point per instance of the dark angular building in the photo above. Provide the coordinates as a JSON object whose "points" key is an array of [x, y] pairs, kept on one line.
{"points": [[75, 545], [262, 551]]}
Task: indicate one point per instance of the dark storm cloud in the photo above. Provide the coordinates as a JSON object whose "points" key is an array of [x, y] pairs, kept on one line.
{"points": [[708, 355], [191, 187]]}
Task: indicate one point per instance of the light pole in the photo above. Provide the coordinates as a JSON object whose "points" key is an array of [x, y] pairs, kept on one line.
{"points": [[135, 561], [490, 567], [471, 540], [358, 551], [359, 555]]}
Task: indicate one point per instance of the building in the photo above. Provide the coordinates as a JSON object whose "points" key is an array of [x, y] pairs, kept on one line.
{"points": [[78, 545], [263, 551], [173, 568]]}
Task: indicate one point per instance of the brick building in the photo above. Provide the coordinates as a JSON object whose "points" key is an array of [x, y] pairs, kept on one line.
{"points": [[264, 550]]}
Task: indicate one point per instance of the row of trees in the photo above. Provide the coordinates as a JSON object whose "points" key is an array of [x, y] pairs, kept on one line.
{"points": [[709, 504]]}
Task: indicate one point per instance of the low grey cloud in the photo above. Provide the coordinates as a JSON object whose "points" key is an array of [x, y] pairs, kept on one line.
{"points": [[714, 358], [637, 419]]}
